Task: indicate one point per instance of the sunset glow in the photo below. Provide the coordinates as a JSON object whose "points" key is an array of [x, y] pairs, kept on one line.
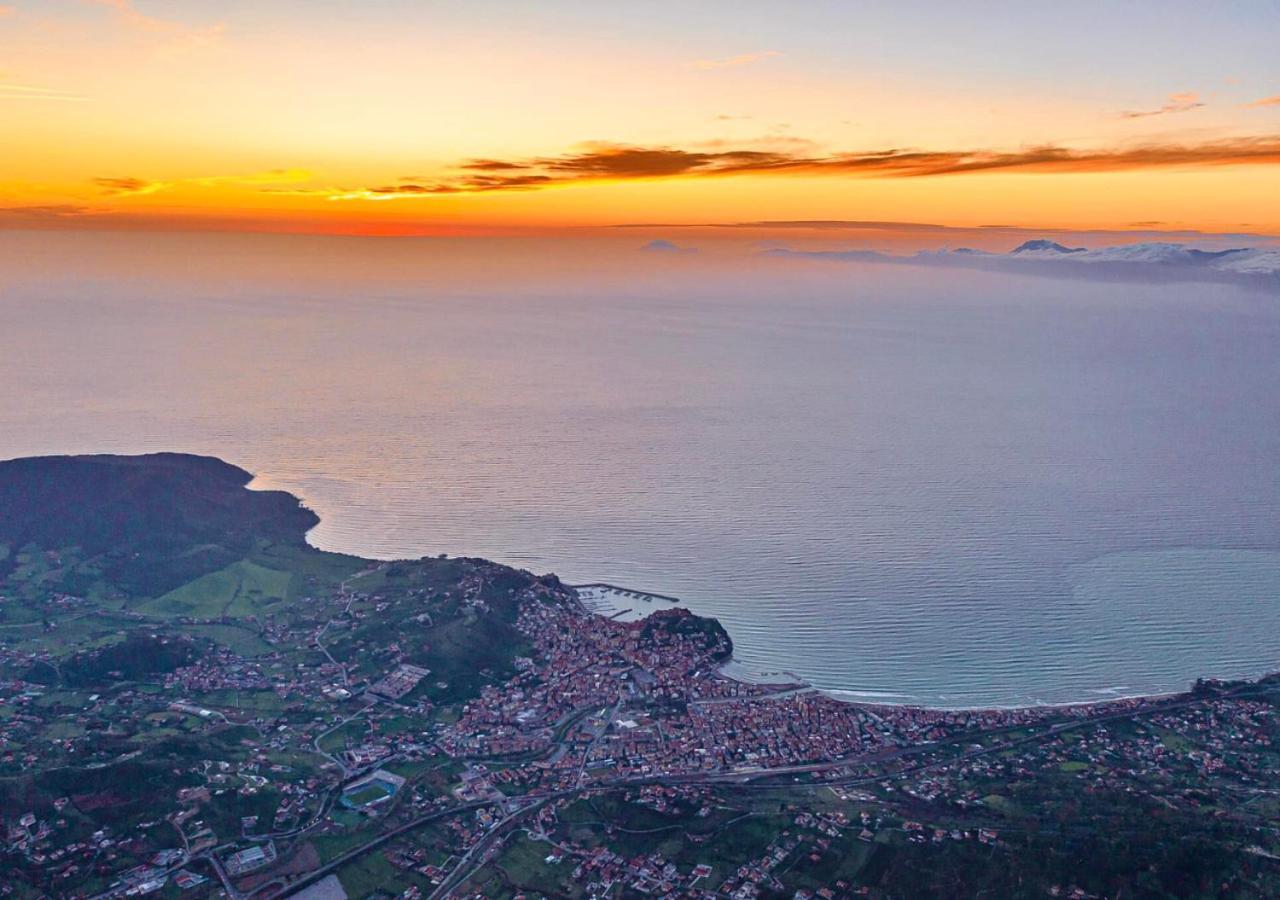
{"points": [[413, 118]]}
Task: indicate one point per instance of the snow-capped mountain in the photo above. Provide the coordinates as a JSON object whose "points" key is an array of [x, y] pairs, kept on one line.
{"points": [[1042, 247], [1240, 260], [1049, 257], [1254, 261]]}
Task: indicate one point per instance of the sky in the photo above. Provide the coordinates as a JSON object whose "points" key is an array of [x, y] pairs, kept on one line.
{"points": [[400, 117]]}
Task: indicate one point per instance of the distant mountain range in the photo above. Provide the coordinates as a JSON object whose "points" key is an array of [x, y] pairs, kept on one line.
{"points": [[1154, 253], [1253, 264]]}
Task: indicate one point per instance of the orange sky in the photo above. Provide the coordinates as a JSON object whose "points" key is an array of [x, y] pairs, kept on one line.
{"points": [[391, 118]]}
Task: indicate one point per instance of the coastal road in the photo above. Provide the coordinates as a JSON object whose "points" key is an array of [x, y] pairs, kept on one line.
{"points": [[340, 861], [607, 718], [463, 870], [775, 695]]}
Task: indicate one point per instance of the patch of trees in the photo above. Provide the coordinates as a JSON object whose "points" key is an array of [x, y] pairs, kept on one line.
{"points": [[139, 655]]}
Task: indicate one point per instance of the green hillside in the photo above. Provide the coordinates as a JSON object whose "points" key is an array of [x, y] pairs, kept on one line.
{"points": [[151, 523]]}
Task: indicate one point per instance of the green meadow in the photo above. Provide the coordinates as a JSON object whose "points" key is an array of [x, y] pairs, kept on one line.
{"points": [[240, 590]]}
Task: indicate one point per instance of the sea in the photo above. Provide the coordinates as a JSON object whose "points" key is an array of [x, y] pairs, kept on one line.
{"points": [[903, 484]]}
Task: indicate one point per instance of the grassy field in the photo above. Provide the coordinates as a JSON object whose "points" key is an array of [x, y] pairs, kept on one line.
{"points": [[352, 732], [255, 701], [364, 795], [72, 634], [331, 846], [1003, 805], [237, 639], [318, 571], [1173, 741], [241, 589], [524, 865], [373, 873]]}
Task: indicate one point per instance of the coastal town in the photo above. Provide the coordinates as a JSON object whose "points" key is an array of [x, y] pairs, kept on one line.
{"points": [[304, 724], [636, 711]]}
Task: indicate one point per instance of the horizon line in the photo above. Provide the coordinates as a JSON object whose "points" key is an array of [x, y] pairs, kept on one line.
{"points": [[110, 224]]}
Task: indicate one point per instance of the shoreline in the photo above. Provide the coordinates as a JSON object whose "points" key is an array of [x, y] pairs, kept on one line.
{"points": [[796, 684], [857, 698]]}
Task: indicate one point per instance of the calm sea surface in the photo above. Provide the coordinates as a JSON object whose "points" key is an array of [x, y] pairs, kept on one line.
{"points": [[948, 487]]}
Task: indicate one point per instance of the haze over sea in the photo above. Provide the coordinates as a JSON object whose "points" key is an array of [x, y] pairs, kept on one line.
{"points": [[950, 487]]}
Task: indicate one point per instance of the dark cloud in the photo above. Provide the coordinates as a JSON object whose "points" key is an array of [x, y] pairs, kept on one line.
{"points": [[490, 165], [34, 214], [409, 188], [611, 162], [125, 185]]}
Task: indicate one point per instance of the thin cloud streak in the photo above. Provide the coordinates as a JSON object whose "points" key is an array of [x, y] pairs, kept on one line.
{"points": [[129, 186], [613, 162], [1178, 103], [179, 35], [48, 212], [33, 92], [1265, 101], [132, 186]]}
